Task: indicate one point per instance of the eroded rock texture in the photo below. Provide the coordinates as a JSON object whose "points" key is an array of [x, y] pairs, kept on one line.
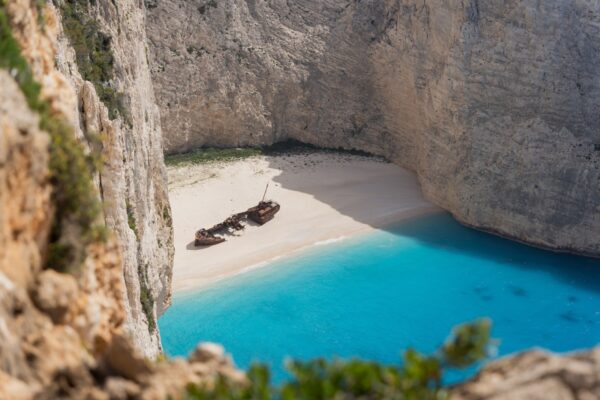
{"points": [[132, 179], [50, 323], [536, 375], [492, 103], [69, 335]]}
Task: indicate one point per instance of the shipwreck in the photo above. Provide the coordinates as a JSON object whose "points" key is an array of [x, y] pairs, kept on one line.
{"points": [[262, 213]]}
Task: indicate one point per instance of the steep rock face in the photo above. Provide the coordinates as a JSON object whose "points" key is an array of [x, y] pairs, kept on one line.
{"points": [[49, 322], [132, 178], [491, 103], [67, 334]]}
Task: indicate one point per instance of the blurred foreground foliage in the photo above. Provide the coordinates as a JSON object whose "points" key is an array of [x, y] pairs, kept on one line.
{"points": [[419, 377]]}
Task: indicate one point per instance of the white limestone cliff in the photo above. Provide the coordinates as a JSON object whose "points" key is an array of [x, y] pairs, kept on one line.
{"points": [[492, 103]]}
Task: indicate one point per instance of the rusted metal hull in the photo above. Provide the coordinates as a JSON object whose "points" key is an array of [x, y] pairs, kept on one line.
{"points": [[208, 241], [207, 238], [263, 214]]}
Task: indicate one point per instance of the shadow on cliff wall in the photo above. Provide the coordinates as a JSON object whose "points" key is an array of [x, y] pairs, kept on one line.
{"points": [[440, 230]]}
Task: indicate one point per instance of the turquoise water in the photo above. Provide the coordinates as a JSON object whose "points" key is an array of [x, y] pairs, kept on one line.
{"points": [[373, 295]]}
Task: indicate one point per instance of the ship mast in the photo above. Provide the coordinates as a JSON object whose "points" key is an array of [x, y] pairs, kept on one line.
{"points": [[265, 193]]}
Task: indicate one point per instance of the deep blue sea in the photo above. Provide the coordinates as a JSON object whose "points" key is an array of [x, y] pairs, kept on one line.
{"points": [[373, 295]]}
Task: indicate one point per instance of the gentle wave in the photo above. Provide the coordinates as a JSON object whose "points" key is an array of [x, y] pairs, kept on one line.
{"points": [[329, 241]]}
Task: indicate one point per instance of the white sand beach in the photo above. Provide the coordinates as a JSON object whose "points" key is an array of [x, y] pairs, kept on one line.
{"points": [[323, 196]]}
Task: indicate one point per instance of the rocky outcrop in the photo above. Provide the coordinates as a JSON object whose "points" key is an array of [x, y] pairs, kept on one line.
{"points": [[50, 322], [491, 103], [536, 375], [132, 178], [131, 181], [68, 334]]}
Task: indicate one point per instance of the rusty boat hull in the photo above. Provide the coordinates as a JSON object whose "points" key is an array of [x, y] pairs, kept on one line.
{"points": [[264, 212], [204, 238], [261, 214]]}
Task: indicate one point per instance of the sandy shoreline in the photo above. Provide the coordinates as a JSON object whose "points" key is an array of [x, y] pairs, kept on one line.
{"points": [[324, 196]]}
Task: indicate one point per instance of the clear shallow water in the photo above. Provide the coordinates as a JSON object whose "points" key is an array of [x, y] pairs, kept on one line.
{"points": [[373, 295]]}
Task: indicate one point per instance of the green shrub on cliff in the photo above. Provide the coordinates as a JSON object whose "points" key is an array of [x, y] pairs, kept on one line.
{"points": [[418, 378], [146, 298], [76, 205], [131, 218], [147, 306], [93, 54]]}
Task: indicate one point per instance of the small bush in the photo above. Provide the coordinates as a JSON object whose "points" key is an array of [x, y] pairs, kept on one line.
{"points": [[39, 6], [207, 6], [131, 218], [167, 215], [148, 307], [151, 4], [146, 298]]}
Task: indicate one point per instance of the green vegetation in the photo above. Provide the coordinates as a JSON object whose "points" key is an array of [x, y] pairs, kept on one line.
{"points": [[12, 60], [147, 306], [418, 378], [77, 207], [150, 4], [209, 155], [93, 54], [146, 298], [131, 218], [207, 6], [39, 6], [167, 215]]}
